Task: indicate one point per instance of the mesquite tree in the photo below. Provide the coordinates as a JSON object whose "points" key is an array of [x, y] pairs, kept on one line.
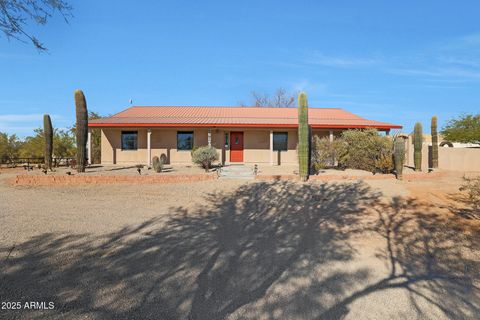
{"points": [[81, 129], [303, 136], [15, 15], [48, 134], [434, 142]]}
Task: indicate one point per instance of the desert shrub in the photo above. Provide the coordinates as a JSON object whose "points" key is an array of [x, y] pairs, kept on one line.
{"points": [[366, 150], [194, 148], [157, 164], [472, 187], [204, 156], [324, 152]]}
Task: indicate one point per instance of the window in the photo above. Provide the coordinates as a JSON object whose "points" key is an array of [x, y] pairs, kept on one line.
{"points": [[184, 140], [129, 140], [280, 140], [226, 139]]}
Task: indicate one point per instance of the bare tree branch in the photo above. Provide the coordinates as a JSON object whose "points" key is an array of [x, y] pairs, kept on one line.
{"points": [[14, 15], [281, 99]]}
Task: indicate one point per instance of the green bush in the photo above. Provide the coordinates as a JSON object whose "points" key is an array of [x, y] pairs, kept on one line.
{"points": [[204, 156], [324, 152], [365, 150]]}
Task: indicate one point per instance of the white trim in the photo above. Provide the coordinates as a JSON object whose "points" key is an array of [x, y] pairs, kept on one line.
{"points": [[271, 147], [89, 146], [149, 147]]}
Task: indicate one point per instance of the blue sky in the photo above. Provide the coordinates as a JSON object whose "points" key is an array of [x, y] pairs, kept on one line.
{"points": [[398, 62]]}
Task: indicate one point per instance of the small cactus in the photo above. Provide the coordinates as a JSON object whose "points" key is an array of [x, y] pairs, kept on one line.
{"points": [[82, 129], [303, 137], [48, 134], [399, 156], [434, 142], [157, 164], [417, 146]]}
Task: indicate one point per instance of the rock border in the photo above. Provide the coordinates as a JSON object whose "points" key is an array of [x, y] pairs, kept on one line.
{"points": [[30, 180]]}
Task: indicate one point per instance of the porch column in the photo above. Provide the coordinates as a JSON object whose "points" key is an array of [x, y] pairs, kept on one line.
{"points": [[149, 147], [209, 137], [271, 147], [331, 135], [89, 146]]}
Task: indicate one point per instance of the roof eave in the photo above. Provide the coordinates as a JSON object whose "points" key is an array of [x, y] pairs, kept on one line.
{"points": [[239, 125]]}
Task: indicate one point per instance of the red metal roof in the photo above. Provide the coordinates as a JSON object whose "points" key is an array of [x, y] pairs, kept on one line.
{"points": [[190, 116]]}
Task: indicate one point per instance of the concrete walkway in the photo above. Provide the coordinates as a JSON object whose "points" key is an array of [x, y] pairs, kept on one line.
{"points": [[237, 171]]}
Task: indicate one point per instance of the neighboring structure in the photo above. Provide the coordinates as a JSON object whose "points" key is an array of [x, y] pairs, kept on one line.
{"points": [[241, 134]]}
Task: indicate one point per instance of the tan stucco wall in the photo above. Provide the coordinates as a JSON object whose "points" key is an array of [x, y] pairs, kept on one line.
{"points": [[460, 159], [112, 152], [164, 141], [455, 159]]}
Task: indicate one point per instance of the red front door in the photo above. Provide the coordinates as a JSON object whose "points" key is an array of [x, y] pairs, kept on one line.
{"points": [[236, 146]]}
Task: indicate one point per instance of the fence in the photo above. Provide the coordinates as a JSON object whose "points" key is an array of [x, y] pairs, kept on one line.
{"points": [[28, 162], [455, 159]]}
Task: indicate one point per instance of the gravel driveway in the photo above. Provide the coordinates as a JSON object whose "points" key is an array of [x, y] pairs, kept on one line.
{"points": [[235, 250]]}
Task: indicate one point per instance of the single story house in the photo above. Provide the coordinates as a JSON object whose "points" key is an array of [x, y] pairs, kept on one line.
{"points": [[241, 134]]}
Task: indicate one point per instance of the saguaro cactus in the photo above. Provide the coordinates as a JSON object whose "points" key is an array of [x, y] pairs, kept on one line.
{"points": [[399, 156], [48, 134], [434, 142], [417, 146], [82, 129], [303, 137]]}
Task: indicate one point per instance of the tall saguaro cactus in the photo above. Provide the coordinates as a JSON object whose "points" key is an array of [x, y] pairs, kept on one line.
{"points": [[417, 146], [434, 142], [399, 156], [303, 136], [82, 129], [48, 134]]}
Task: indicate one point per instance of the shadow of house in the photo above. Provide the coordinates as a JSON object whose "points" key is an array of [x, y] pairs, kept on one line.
{"points": [[211, 262]]}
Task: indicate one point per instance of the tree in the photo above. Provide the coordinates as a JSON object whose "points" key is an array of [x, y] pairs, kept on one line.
{"points": [[33, 146], [63, 144], [465, 129], [9, 147], [14, 15], [281, 99]]}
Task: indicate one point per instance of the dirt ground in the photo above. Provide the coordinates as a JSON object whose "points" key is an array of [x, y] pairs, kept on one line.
{"points": [[378, 249]]}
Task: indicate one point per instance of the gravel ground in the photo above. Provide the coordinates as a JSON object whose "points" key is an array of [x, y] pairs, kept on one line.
{"points": [[240, 250]]}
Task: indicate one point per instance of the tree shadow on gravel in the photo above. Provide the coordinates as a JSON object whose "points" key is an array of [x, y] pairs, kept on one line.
{"points": [[431, 256], [267, 245]]}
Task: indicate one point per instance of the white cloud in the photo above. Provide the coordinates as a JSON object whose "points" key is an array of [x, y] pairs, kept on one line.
{"points": [[339, 62], [436, 72], [20, 117], [32, 117], [309, 87]]}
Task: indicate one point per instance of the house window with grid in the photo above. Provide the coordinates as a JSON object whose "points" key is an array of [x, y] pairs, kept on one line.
{"points": [[184, 140], [129, 140]]}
